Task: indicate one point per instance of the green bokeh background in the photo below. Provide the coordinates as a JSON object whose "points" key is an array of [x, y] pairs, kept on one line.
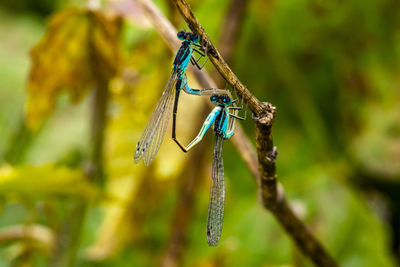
{"points": [[332, 71]]}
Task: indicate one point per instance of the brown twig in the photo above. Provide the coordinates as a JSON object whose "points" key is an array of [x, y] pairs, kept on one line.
{"points": [[273, 197]]}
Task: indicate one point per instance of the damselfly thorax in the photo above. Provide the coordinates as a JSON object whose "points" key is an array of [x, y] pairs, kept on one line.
{"points": [[221, 122], [182, 57]]}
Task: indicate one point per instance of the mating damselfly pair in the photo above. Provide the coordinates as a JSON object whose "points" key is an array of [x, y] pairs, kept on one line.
{"points": [[221, 117]]}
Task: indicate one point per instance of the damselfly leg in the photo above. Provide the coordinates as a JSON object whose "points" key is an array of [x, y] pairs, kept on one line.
{"points": [[206, 125], [201, 55], [236, 108], [182, 84], [196, 61]]}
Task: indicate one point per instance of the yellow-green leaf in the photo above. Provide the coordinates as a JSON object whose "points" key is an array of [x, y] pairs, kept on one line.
{"points": [[78, 51]]}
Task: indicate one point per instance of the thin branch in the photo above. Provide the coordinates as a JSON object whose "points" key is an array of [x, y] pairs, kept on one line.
{"points": [[273, 197], [246, 151]]}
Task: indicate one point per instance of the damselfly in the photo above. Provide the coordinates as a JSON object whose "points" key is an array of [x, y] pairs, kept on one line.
{"points": [[224, 127], [151, 139]]}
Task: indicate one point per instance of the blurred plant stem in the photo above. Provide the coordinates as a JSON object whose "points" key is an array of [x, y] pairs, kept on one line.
{"points": [[388, 189], [68, 240], [20, 141], [230, 33], [173, 14], [98, 124]]}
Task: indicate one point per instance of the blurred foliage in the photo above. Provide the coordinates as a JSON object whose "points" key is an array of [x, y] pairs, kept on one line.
{"points": [[330, 68], [89, 45], [39, 7], [46, 180]]}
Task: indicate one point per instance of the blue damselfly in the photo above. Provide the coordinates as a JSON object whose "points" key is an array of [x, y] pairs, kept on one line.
{"points": [[151, 139], [224, 126]]}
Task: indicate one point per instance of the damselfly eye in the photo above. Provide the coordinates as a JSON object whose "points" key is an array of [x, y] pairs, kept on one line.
{"points": [[181, 35]]}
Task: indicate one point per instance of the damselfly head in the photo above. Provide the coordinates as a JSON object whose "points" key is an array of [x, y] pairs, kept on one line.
{"points": [[221, 99], [214, 98], [192, 37], [181, 35]]}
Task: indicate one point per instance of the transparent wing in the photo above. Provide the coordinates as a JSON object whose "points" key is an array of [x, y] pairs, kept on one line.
{"points": [[151, 139], [217, 196]]}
